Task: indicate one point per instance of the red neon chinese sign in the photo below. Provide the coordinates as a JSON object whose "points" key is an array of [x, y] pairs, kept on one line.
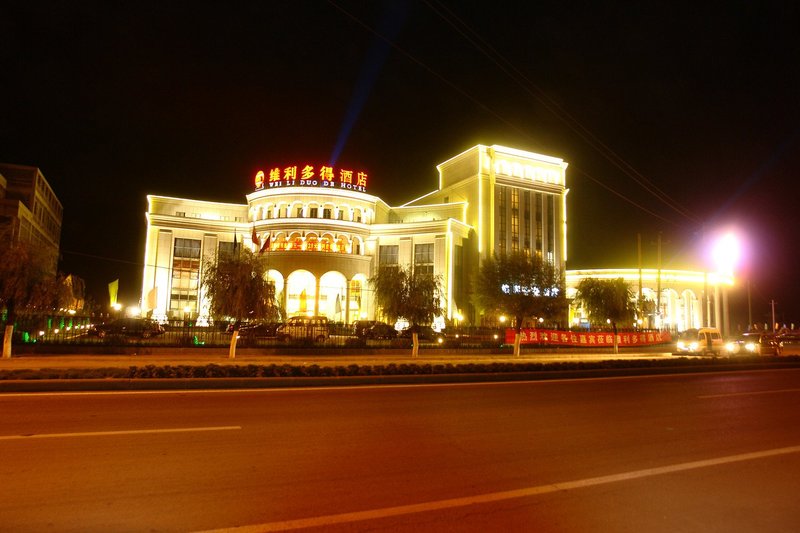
{"points": [[311, 176], [587, 339]]}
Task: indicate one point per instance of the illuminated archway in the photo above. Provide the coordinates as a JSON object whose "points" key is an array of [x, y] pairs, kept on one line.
{"points": [[326, 243], [670, 309], [356, 246], [342, 245], [278, 242], [311, 243], [301, 293], [358, 300], [690, 318], [295, 242], [332, 295]]}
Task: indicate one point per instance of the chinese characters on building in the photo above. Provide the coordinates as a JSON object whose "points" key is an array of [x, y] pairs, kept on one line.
{"points": [[311, 176], [597, 339]]}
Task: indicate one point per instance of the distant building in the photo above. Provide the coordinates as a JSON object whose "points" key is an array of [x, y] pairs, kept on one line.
{"points": [[30, 209]]}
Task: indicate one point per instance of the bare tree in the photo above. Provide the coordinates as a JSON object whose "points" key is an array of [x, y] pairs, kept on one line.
{"points": [[27, 287]]}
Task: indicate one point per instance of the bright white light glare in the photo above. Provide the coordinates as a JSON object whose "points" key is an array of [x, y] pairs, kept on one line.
{"points": [[726, 253]]}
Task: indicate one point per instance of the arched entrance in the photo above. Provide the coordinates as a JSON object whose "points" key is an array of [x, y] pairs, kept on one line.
{"points": [[332, 295], [301, 293]]}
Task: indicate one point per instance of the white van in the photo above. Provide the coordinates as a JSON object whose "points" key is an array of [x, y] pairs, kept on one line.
{"points": [[703, 341]]}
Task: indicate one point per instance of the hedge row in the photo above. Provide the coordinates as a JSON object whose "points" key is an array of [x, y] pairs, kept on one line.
{"points": [[286, 370]]}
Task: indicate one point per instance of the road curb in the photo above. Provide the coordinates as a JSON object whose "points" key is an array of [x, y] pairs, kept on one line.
{"points": [[184, 384]]}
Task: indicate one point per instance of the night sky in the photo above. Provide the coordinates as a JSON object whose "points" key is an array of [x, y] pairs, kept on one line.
{"points": [[679, 118]]}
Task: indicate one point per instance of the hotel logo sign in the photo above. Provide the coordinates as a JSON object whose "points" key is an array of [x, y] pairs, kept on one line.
{"points": [[311, 176]]}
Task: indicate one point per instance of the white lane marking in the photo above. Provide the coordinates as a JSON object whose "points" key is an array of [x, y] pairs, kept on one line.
{"points": [[751, 393], [386, 512], [112, 433]]}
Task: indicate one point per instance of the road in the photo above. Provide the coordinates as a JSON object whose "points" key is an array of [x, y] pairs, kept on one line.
{"points": [[694, 452]]}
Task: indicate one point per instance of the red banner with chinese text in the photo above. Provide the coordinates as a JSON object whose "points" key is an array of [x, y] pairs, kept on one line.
{"points": [[553, 337]]}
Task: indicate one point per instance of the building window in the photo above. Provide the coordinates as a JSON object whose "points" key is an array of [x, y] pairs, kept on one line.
{"points": [[388, 255], [538, 201], [551, 228], [185, 277], [502, 220], [326, 213], [356, 215], [423, 258], [299, 212], [225, 248], [515, 220]]}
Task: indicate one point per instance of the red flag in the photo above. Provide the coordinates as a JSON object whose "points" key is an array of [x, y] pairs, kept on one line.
{"points": [[265, 248], [255, 238]]}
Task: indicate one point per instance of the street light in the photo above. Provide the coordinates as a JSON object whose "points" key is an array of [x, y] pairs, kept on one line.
{"points": [[725, 252]]}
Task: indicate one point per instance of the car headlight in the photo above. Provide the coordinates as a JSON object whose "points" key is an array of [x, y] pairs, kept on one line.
{"points": [[730, 347], [693, 346], [750, 347], [681, 345]]}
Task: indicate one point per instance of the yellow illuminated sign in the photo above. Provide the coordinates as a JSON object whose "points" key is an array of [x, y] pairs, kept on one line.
{"points": [[310, 176]]}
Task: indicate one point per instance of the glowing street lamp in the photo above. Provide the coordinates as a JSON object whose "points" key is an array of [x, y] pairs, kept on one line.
{"points": [[725, 253]]}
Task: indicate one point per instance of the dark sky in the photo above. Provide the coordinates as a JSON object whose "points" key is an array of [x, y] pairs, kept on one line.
{"points": [[679, 118]]}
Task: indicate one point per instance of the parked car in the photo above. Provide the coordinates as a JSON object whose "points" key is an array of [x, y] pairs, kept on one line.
{"points": [[360, 327], [424, 334], [788, 344], [752, 343], [380, 330], [703, 341], [129, 327], [304, 327]]}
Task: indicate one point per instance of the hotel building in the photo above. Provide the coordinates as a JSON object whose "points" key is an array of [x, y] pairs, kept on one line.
{"points": [[324, 235]]}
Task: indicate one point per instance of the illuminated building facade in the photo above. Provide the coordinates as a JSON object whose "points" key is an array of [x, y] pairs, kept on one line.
{"points": [[678, 299], [325, 235]]}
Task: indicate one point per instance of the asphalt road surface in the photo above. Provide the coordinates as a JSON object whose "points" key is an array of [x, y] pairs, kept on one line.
{"points": [[696, 452]]}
